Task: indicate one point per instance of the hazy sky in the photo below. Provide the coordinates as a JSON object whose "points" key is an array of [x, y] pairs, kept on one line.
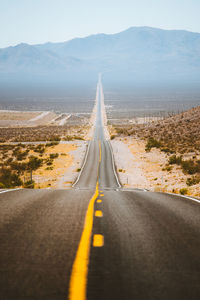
{"points": [[39, 21]]}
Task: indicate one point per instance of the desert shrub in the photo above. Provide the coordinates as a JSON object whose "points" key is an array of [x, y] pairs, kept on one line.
{"points": [[7, 147], [2, 186], [78, 170], [175, 160], [167, 168], [53, 155], [193, 180], [121, 131], [49, 162], [5, 177], [34, 163], [22, 155], [183, 191], [54, 138], [30, 147], [20, 145], [18, 167], [190, 167], [52, 144], [8, 161], [9, 179], [49, 168], [30, 184], [39, 149], [17, 154], [16, 151], [152, 143], [5, 155], [112, 137], [167, 150], [15, 180]]}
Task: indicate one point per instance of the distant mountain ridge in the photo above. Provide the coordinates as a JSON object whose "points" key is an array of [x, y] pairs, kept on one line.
{"points": [[137, 51]]}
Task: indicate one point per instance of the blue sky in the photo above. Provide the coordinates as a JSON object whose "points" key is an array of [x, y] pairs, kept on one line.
{"points": [[39, 21]]}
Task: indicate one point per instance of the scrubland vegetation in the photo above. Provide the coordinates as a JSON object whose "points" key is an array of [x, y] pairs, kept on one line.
{"points": [[18, 162], [21, 163], [177, 136], [43, 133]]}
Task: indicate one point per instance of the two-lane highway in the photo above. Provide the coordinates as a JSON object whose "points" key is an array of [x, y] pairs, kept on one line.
{"points": [[98, 240], [99, 162]]}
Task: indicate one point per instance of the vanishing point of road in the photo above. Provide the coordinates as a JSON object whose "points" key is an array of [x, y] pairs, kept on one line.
{"points": [[98, 241]]}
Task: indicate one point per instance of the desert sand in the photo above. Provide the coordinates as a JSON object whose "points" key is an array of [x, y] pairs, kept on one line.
{"points": [[65, 167], [140, 169]]}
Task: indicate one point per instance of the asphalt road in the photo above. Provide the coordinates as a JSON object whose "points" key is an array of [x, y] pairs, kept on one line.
{"points": [[147, 246]]}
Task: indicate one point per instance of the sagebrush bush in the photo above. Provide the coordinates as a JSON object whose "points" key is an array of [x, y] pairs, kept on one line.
{"points": [[30, 184], [175, 160], [152, 143], [193, 180], [53, 155], [183, 191], [190, 167]]}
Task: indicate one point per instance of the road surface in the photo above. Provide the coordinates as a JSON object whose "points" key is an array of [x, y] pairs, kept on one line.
{"points": [[98, 240]]}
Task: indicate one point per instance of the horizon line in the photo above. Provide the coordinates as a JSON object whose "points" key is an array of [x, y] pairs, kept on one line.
{"points": [[95, 34]]}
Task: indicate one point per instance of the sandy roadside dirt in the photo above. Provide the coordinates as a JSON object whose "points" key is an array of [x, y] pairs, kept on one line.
{"points": [[140, 169], [65, 168], [25, 118]]}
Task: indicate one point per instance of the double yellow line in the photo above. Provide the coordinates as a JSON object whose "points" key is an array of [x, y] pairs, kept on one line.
{"points": [[78, 280]]}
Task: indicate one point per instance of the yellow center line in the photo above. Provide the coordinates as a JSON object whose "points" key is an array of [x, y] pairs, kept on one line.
{"points": [[98, 240], [78, 280], [98, 213], [99, 201]]}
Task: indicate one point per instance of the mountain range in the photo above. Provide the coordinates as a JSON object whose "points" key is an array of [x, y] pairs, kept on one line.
{"points": [[138, 52]]}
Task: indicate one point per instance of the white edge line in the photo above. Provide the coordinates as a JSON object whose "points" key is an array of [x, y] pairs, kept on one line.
{"points": [[132, 189], [86, 156], [193, 199], [113, 164], [6, 191], [104, 129]]}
